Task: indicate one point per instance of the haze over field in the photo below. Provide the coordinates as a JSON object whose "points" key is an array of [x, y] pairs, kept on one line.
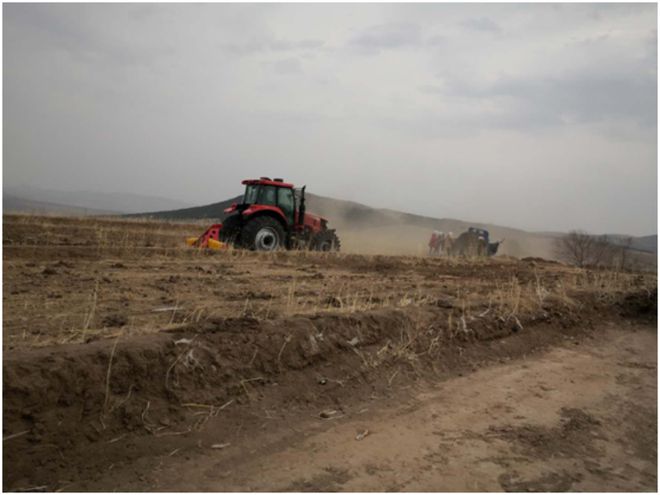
{"points": [[540, 117]]}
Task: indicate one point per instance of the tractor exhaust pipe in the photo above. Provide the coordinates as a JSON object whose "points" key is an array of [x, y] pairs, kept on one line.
{"points": [[301, 209]]}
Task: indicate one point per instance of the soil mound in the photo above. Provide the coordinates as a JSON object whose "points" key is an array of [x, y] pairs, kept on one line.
{"points": [[69, 396], [72, 398]]}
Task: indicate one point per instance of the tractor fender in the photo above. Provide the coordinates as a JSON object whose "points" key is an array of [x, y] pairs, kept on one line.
{"points": [[231, 209]]}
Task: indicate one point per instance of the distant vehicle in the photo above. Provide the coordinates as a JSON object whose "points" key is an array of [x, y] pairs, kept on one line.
{"points": [[475, 242]]}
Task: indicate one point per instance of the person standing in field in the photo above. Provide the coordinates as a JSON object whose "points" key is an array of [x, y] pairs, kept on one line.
{"points": [[439, 243], [448, 243], [433, 243]]}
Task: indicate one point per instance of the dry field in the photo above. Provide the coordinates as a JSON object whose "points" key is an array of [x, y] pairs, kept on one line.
{"points": [[128, 355]]}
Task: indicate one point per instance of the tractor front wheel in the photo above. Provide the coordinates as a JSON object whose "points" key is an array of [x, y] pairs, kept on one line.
{"points": [[325, 240], [263, 234]]}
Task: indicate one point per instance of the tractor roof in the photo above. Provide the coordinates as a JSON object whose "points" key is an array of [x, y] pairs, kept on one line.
{"points": [[266, 181]]}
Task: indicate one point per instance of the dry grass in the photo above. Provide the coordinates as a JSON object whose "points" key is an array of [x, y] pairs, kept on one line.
{"points": [[130, 267]]}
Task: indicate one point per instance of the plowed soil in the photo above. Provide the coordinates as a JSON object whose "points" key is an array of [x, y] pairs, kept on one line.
{"points": [[132, 362]]}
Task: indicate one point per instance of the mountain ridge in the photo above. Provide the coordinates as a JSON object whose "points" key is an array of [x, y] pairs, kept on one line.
{"points": [[112, 202]]}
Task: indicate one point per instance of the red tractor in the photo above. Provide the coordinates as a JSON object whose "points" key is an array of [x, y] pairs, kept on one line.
{"points": [[272, 216]]}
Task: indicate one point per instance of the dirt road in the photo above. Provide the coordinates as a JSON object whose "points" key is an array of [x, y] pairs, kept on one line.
{"points": [[579, 417]]}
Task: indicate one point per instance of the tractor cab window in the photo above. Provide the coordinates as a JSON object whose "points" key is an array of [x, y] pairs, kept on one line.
{"points": [[285, 202], [268, 195], [251, 195], [260, 195]]}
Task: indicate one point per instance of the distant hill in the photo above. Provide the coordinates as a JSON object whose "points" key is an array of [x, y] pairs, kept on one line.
{"points": [[14, 204], [211, 211], [91, 200], [647, 243]]}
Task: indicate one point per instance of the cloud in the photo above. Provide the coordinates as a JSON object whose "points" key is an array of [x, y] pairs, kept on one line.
{"points": [[539, 102], [386, 37], [481, 24], [308, 44], [269, 44], [437, 40], [432, 89], [80, 33], [287, 66]]}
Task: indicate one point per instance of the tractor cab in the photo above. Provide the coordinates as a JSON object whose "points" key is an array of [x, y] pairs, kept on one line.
{"points": [[274, 193]]}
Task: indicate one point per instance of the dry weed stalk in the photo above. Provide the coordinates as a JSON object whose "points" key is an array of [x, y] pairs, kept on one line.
{"points": [[287, 339], [210, 411], [391, 378], [187, 354], [105, 409], [245, 382], [541, 292], [125, 400], [290, 296], [92, 309]]}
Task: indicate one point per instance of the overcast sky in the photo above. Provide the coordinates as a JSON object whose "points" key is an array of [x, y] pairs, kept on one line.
{"points": [[541, 117]]}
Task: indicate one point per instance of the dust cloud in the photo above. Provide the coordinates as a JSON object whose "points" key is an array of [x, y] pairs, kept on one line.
{"points": [[366, 230]]}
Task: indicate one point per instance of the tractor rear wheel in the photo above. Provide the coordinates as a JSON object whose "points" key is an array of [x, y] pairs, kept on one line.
{"points": [[326, 240], [263, 234]]}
